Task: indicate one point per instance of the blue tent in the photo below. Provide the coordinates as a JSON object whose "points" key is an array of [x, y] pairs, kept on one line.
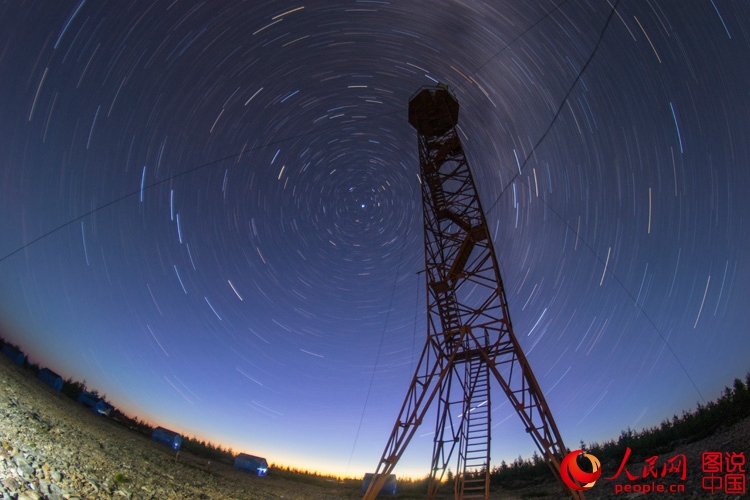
{"points": [[95, 403], [389, 488], [250, 463], [51, 378], [167, 438], [17, 356]]}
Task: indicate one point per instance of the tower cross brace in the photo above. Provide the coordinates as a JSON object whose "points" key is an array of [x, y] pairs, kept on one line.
{"points": [[470, 341]]}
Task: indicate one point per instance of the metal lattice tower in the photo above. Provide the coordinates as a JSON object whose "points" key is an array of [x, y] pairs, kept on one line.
{"points": [[470, 340]]}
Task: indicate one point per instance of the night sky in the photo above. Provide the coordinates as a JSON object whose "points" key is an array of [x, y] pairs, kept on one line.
{"points": [[210, 211]]}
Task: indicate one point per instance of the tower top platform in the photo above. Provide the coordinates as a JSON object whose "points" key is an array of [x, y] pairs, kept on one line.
{"points": [[433, 110]]}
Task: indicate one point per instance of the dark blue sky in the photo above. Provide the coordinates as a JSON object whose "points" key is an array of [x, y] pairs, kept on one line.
{"points": [[261, 227]]}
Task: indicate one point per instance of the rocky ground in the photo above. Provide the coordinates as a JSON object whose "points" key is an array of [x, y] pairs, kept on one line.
{"points": [[53, 449]]}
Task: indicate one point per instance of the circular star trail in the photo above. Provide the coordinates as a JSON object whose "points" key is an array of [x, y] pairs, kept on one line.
{"points": [[211, 212]]}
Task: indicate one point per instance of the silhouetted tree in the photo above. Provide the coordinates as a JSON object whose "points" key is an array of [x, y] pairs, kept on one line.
{"points": [[73, 388]]}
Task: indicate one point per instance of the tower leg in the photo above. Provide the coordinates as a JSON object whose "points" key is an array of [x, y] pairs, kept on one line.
{"points": [[433, 368]]}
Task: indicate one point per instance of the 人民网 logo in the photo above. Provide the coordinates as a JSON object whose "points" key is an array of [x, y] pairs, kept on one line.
{"points": [[576, 478]]}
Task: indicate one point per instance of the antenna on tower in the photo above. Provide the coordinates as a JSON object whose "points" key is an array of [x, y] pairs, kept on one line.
{"points": [[470, 341]]}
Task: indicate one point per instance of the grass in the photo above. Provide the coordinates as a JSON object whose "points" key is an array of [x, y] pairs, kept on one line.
{"points": [[121, 479]]}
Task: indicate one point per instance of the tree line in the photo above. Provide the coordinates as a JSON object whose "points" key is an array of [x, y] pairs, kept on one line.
{"points": [[728, 409]]}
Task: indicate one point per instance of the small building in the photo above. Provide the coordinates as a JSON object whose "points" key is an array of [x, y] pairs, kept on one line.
{"points": [[167, 438], [389, 488], [250, 463], [51, 378], [15, 354], [95, 403]]}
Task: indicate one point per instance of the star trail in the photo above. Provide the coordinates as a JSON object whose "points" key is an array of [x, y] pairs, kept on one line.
{"points": [[210, 211]]}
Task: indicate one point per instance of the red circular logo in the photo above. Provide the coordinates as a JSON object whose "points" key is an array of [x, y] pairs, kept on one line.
{"points": [[574, 477]]}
